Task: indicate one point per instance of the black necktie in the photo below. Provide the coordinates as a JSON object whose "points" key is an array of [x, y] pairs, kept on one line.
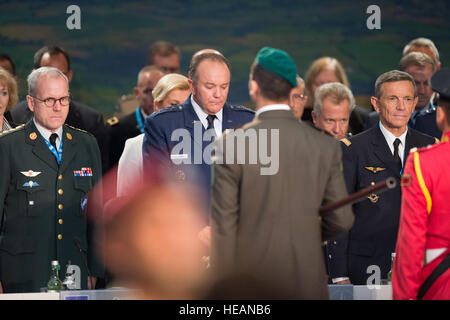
{"points": [[210, 118], [396, 155], [53, 137]]}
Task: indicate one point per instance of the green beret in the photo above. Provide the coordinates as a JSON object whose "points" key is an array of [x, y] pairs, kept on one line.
{"points": [[279, 62]]}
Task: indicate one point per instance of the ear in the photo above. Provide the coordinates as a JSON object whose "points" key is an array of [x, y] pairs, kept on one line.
{"points": [[253, 88], [374, 102], [157, 105], [30, 102], [136, 91], [191, 85], [441, 118], [314, 117], [69, 75], [416, 99]]}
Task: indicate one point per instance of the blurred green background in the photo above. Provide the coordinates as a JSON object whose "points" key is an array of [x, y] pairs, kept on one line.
{"points": [[113, 42]]}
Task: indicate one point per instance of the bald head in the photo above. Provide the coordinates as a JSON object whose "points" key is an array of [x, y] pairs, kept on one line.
{"points": [[148, 77]]}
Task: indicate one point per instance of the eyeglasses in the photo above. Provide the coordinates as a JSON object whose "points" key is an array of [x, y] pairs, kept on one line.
{"points": [[394, 100], [299, 96], [50, 102]]}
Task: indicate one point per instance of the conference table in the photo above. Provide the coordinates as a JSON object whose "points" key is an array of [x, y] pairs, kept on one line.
{"points": [[336, 292]]}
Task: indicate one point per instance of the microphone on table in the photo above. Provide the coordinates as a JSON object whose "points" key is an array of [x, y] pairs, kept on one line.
{"points": [[83, 253]]}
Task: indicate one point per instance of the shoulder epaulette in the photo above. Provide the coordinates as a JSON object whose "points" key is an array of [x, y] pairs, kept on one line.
{"points": [[241, 108], [169, 109], [77, 129], [346, 142], [113, 121], [12, 130]]}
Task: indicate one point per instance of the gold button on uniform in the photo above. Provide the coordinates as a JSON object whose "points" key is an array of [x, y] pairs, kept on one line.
{"points": [[60, 221], [59, 236], [60, 206], [60, 177], [60, 191]]}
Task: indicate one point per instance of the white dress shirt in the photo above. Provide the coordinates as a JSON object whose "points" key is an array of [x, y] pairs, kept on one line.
{"points": [[273, 107], [202, 116], [390, 138], [130, 169], [47, 133]]}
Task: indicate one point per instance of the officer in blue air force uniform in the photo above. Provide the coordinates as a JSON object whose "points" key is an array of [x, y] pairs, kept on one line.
{"points": [[47, 171], [202, 116], [368, 158]]}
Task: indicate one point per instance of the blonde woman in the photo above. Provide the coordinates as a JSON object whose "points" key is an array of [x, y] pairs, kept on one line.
{"points": [[8, 97], [326, 70], [172, 89]]}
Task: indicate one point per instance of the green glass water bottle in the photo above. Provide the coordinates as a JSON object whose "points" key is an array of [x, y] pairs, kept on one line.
{"points": [[389, 276], [54, 284]]}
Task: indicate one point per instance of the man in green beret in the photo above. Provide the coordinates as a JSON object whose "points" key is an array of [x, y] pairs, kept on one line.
{"points": [[47, 170], [266, 224]]}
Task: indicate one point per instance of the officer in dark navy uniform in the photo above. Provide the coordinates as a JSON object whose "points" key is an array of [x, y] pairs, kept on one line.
{"points": [[368, 158], [80, 115], [47, 170], [183, 134]]}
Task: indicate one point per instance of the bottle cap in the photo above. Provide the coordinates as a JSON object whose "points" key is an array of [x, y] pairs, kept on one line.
{"points": [[55, 263]]}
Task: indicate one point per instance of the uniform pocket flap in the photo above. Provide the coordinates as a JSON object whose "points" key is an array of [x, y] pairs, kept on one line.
{"points": [[83, 183]]}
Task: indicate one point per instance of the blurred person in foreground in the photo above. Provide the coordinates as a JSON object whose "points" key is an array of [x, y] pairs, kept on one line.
{"points": [[172, 89], [325, 70], [265, 220], [149, 239], [422, 261], [8, 98]]}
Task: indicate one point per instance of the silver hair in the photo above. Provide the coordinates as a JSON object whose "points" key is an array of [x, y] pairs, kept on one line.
{"points": [[422, 43], [393, 76], [419, 59], [36, 74], [336, 91]]}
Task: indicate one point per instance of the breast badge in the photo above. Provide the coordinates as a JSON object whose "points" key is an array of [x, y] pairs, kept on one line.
{"points": [[375, 169]]}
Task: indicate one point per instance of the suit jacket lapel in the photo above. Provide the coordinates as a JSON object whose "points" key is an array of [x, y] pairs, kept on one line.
{"points": [[410, 142], [192, 123], [40, 148], [69, 149]]}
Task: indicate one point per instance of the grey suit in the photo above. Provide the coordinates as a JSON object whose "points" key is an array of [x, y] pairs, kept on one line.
{"points": [[269, 225]]}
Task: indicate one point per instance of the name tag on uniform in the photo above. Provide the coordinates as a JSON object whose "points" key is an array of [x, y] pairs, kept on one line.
{"points": [[179, 156]]}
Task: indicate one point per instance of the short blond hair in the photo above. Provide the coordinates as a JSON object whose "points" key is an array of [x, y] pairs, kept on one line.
{"points": [[11, 84], [167, 83], [317, 67]]}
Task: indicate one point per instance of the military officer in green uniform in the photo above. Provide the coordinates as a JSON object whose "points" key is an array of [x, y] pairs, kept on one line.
{"points": [[47, 170]]}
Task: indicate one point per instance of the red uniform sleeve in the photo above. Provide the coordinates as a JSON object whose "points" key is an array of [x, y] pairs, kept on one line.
{"points": [[411, 238]]}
